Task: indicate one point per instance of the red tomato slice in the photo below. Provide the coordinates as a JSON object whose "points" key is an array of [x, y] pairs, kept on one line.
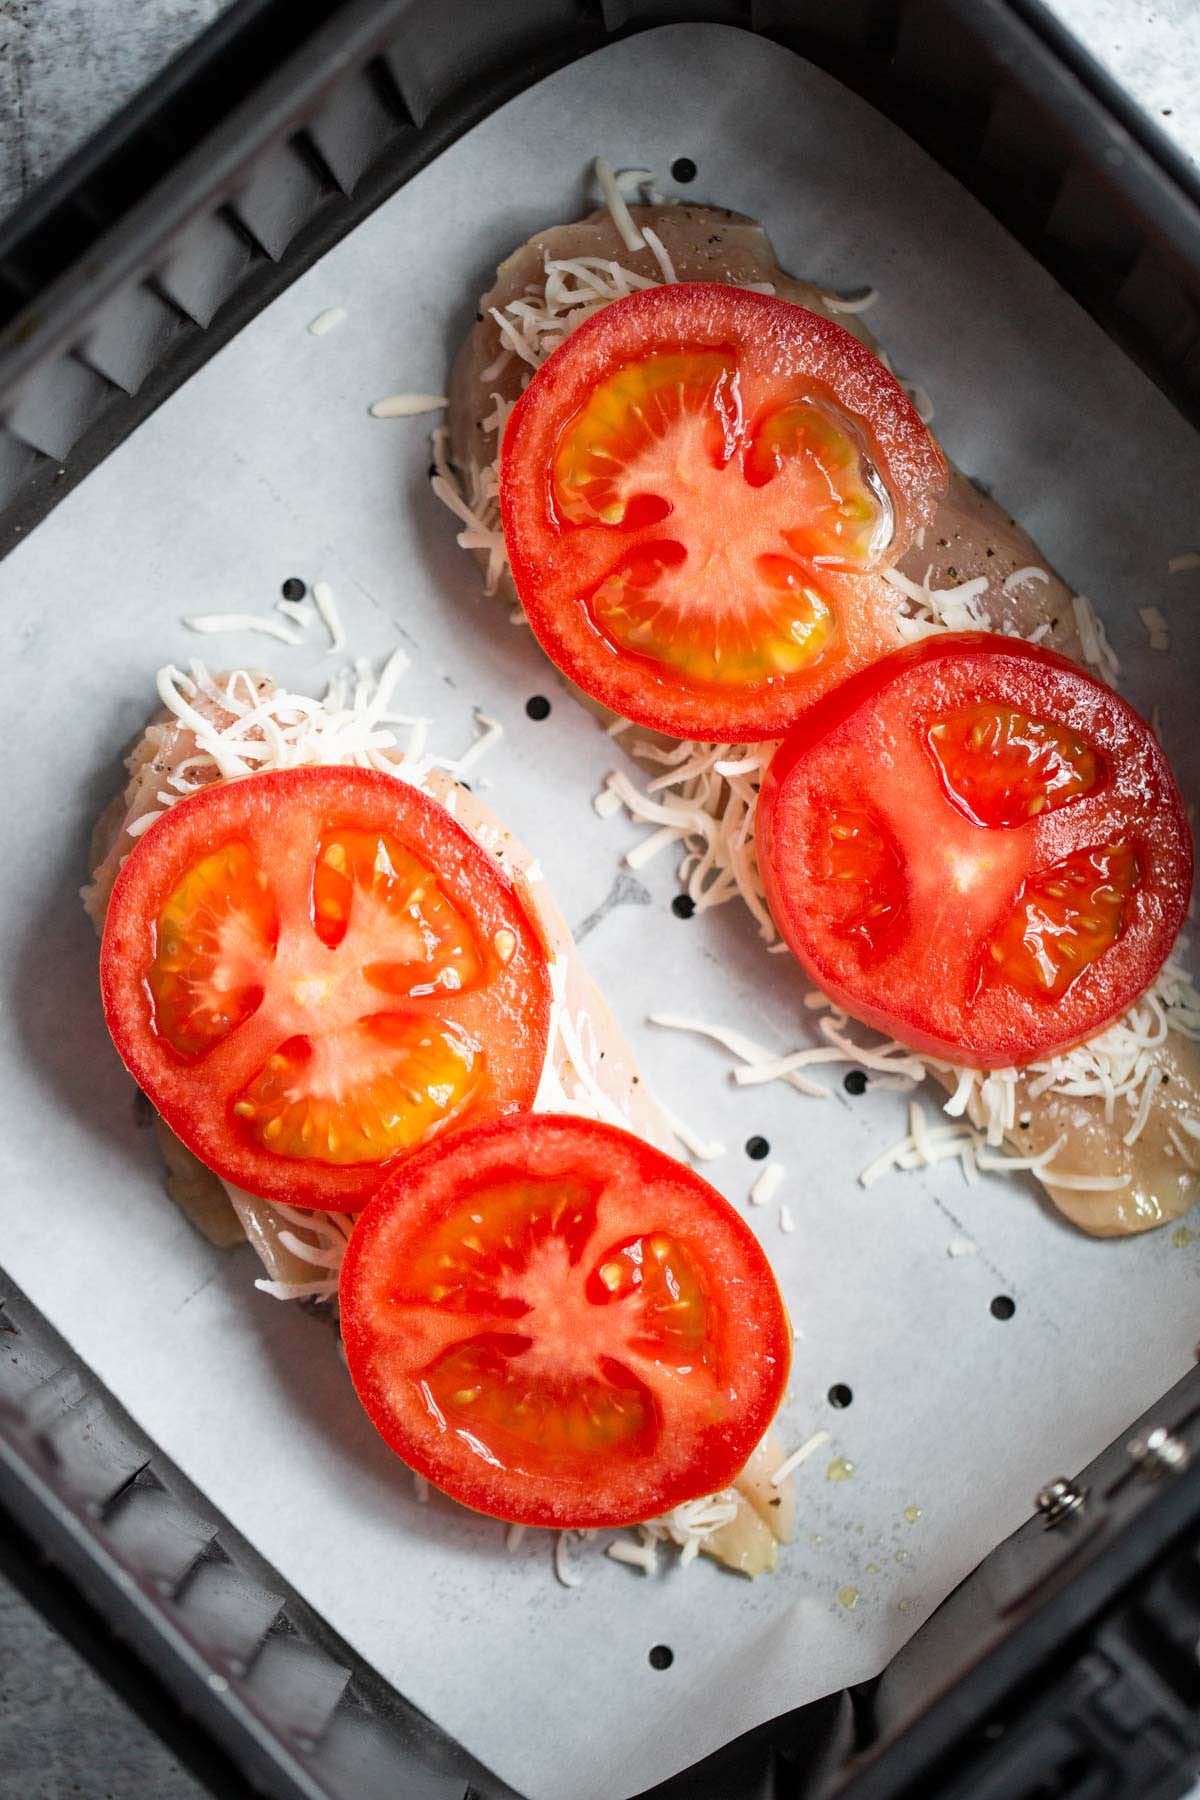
{"points": [[699, 489], [977, 848], [313, 971], [556, 1324]]}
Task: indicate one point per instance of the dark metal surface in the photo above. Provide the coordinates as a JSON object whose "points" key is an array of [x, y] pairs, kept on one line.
{"points": [[131, 1562], [1064, 1666]]}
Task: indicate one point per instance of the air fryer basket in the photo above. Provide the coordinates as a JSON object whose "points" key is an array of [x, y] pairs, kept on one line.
{"points": [[1066, 1664]]}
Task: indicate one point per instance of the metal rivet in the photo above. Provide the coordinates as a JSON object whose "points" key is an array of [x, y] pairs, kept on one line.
{"points": [[1159, 1453], [1059, 1499]]}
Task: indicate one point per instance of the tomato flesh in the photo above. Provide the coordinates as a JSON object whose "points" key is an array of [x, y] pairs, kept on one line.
{"points": [[1002, 768], [977, 848], [699, 490], [559, 1325], [311, 972], [361, 1094], [1064, 918], [862, 869], [213, 936]]}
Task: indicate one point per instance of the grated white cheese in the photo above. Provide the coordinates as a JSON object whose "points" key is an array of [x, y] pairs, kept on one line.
{"points": [[490, 733], [1098, 653], [786, 1221], [1118, 1064], [318, 1239], [607, 802], [1024, 577], [562, 1568], [688, 1524], [808, 1448], [703, 1149], [850, 303], [643, 1556], [939, 609], [327, 610], [327, 321], [631, 237], [220, 622], [408, 406], [886, 1059], [660, 256], [961, 1247], [923, 1146], [300, 612], [768, 1184]]}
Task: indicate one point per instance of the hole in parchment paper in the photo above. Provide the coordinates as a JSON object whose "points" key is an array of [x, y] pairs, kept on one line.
{"points": [[839, 1395], [683, 906], [757, 1149], [662, 1656], [1002, 1307], [683, 169], [537, 707], [293, 588], [855, 1082]]}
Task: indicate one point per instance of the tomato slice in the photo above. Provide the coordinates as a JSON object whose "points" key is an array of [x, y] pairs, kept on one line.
{"points": [[556, 1324], [976, 847], [311, 972], [700, 489]]}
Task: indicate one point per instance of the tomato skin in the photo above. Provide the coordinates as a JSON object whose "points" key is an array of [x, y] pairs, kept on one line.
{"points": [[934, 997], [283, 814], [699, 1443], [778, 343]]}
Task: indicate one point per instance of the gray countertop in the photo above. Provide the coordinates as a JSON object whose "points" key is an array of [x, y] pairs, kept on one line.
{"points": [[65, 67]]}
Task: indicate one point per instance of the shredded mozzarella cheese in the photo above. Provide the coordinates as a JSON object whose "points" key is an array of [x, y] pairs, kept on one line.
{"points": [[1097, 651], [660, 255], [808, 1448], [327, 321], [767, 1185], [631, 237], [300, 612], [643, 1555], [318, 1239], [703, 1149], [562, 1568], [408, 406], [1023, 577], [327, 610], [220, 622], [850, 303]]}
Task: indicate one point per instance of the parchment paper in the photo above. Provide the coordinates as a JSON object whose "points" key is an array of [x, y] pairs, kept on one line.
{"points": [[267, 465]]}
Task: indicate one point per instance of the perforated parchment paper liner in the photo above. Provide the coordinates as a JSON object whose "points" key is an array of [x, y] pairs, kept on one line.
{"points": [[267, 465]]}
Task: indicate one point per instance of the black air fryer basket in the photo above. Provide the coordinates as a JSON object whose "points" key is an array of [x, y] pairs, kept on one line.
{"points": [[1067, 1664]]}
